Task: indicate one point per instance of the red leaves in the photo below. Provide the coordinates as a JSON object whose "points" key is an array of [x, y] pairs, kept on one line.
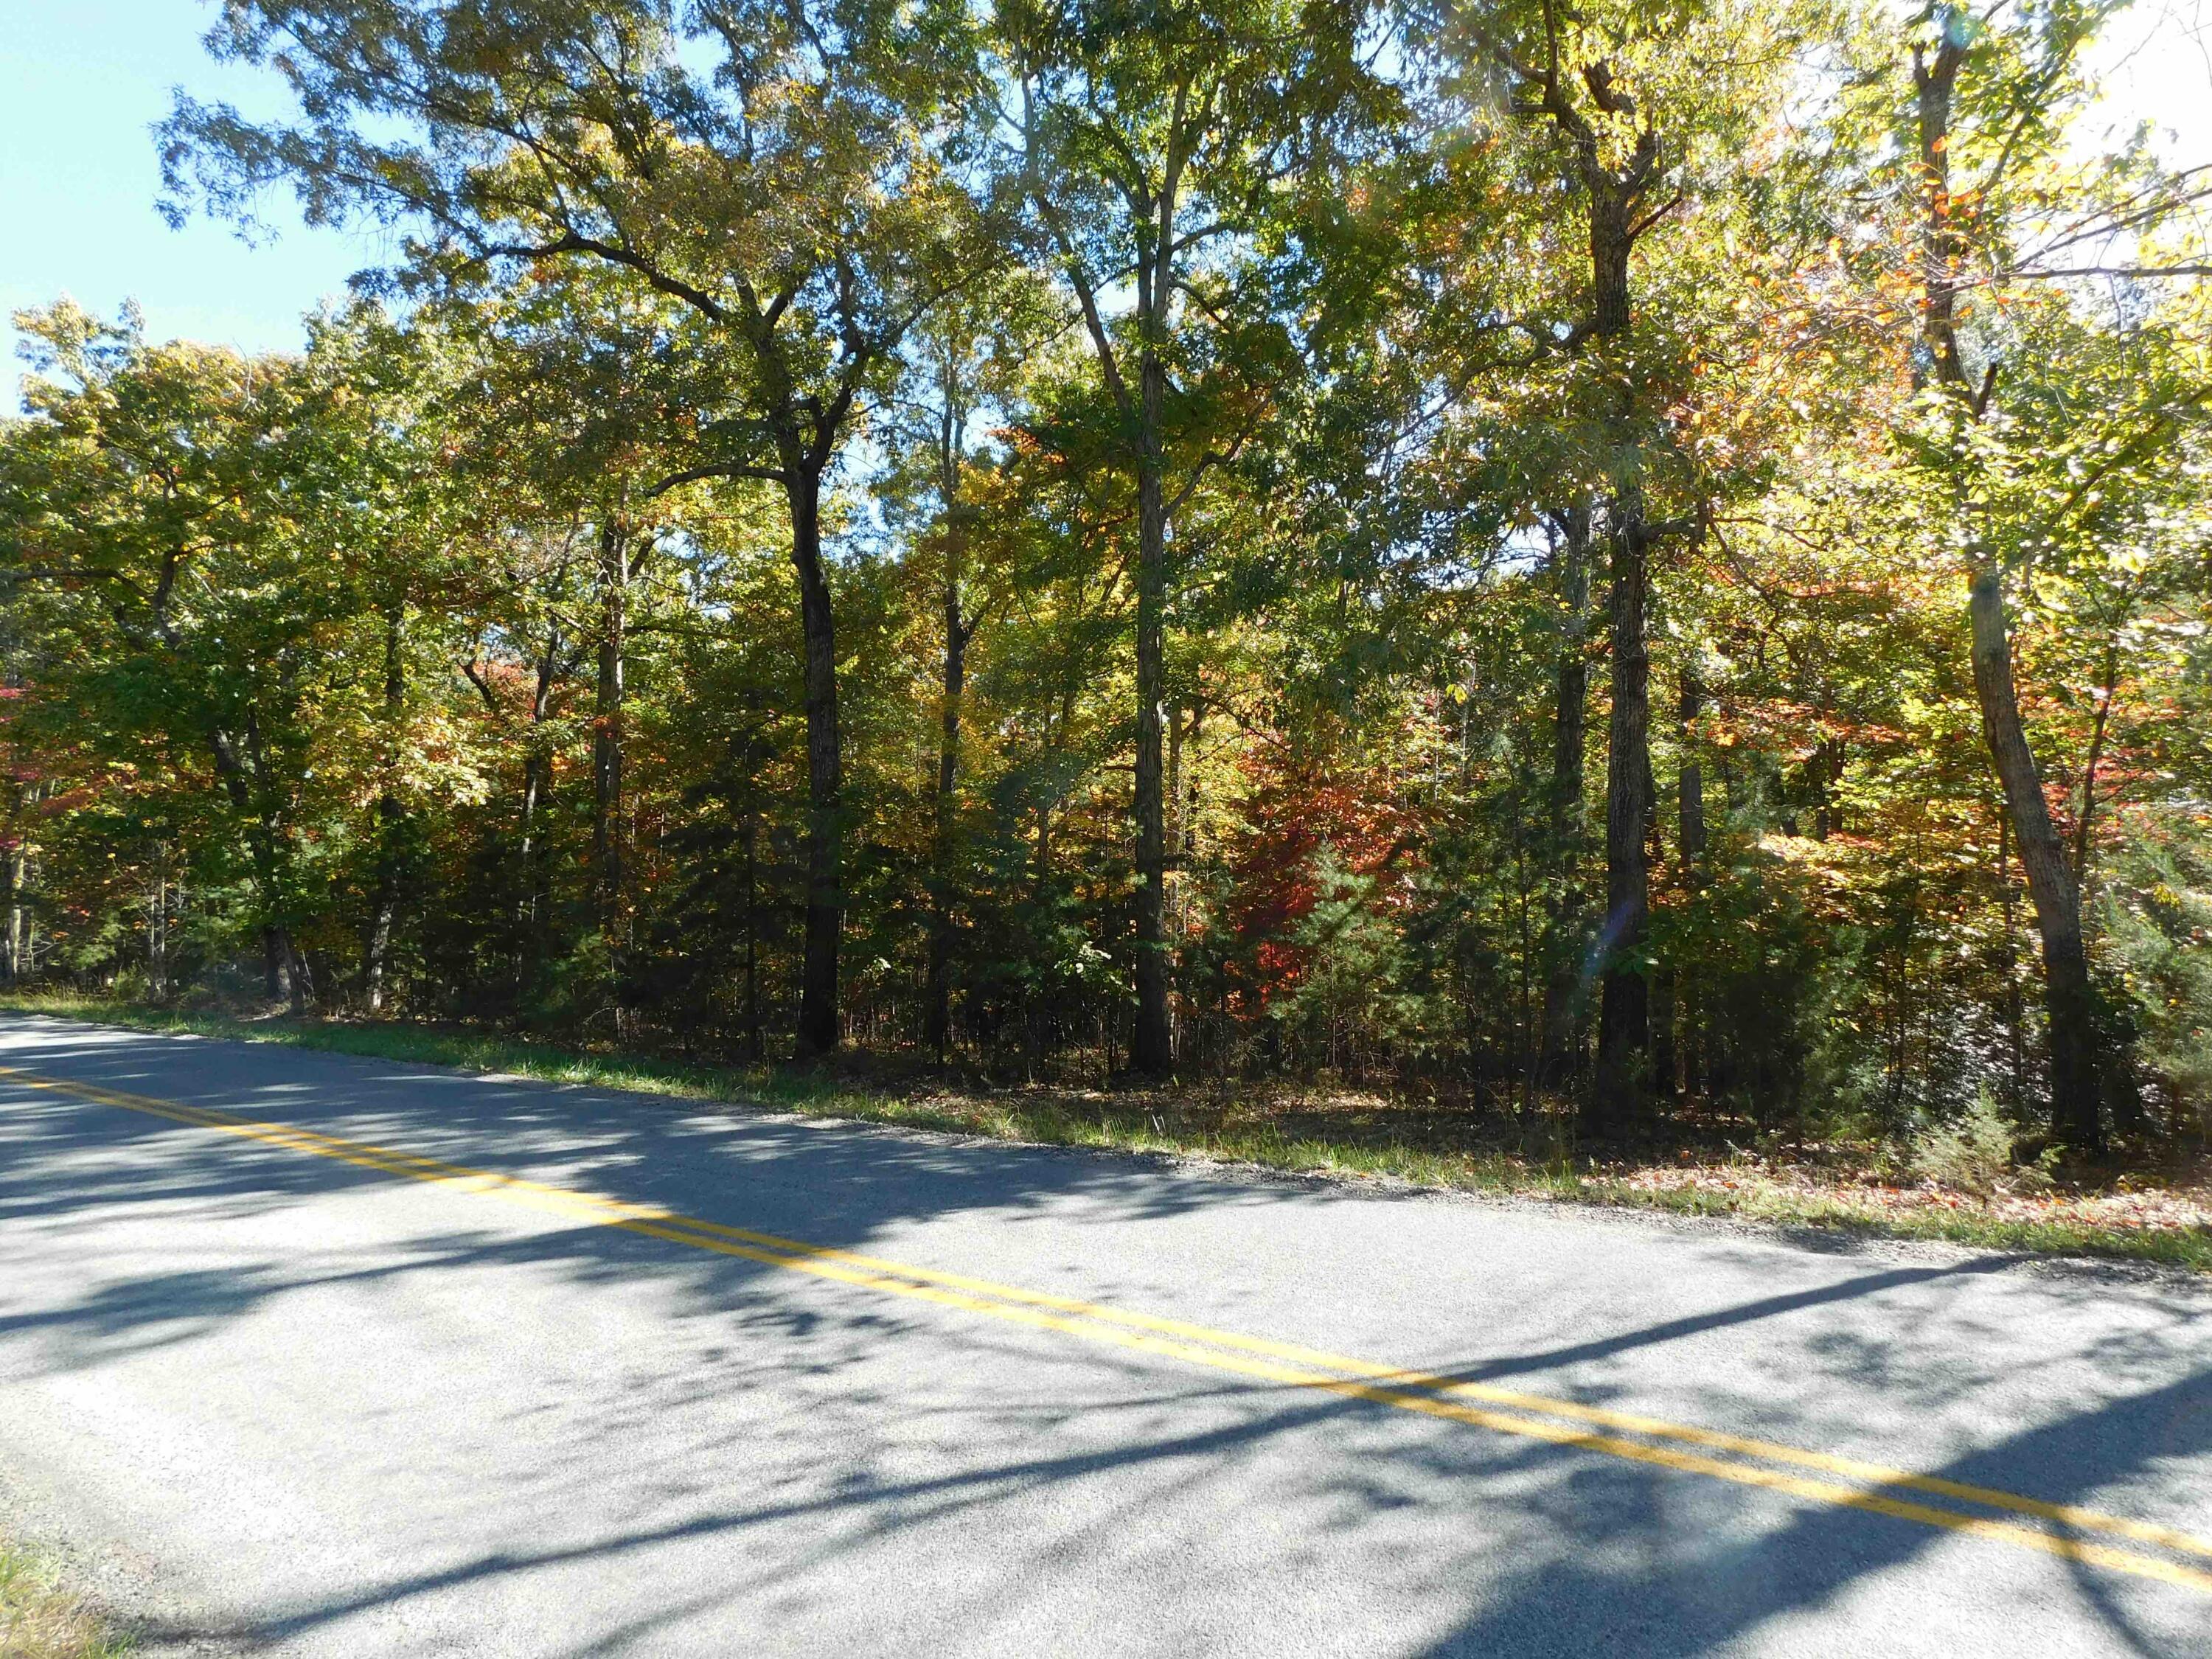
{"points": [[1297, 812]]}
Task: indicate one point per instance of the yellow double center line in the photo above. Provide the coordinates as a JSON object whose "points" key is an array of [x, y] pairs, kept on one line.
{"points": [[1746, 1461]]}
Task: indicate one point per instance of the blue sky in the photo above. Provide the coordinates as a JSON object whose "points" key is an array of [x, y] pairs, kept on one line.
{"points": [[80, 82]]}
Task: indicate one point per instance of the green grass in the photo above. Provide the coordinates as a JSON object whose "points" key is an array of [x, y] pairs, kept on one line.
{"points": [[1159, 1125], [41, 1618]]}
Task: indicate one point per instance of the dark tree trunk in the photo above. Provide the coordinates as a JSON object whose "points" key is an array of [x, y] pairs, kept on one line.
{"points": [[1691, 788], [755, 1046], [2069, 1003], [1624, 1015], [1614, 190], [1149, 1046], [1142, 410], [608, 754], [1565, 994], [957, 627], [939, 1031], [825, 776], [1611, 209], [607, 728]]}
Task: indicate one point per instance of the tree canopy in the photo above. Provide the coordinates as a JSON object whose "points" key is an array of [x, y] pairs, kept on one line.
{"points": [[1623, 563]]}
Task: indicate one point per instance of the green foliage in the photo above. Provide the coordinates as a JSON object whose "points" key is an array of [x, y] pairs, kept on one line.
{"points": [[2156, 908], [1973, 1152], [801, 455]]}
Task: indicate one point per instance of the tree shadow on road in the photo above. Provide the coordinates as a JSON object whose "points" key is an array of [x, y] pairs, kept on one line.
{"points": [[1066, 1459], [1599, 1589]]}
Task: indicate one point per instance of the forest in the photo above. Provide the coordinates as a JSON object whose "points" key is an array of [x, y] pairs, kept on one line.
{"points": [[1632, 563]]}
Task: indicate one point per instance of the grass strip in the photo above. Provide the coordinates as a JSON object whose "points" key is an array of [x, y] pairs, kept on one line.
{"points": [[1008, 1115], [40, 1617]]}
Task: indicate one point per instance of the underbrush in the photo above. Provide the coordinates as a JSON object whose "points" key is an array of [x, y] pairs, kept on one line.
{"points": [[1956, 1182]]}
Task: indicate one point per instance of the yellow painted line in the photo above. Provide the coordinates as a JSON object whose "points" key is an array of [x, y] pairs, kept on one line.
{"points": [[1287, 1363]]}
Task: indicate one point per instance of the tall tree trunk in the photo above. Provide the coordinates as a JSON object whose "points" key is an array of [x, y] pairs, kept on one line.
{"points": [[1143, 413], [1624, 1015], [1564, 991], [1611, 244], [1148, 1045], [754, 1044], [2069, 1003], [607, 749], [825, 776], [607, 726], [376, 947], [1691, 789], [939, 1020], [940, 1031], [1625, 1009]]}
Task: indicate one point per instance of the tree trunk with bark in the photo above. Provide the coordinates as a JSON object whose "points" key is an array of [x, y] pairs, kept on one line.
{"points": [[1625, 1006], [1154, 201], [2069, 1002], [1565, 994], [756, 1044], [938, 1032], [1690, 788], [1615, 188], [825, 774], [607, 749], [958, 626]]}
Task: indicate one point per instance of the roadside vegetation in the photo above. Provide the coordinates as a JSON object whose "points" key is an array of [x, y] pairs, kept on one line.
{"points": [[1962, 1184], [1607, 601], [41, 1618]]}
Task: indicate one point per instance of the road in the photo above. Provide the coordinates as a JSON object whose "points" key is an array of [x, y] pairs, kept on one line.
{"points": [[314, 1355]]}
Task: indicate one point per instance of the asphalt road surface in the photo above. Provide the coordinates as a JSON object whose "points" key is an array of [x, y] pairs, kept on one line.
{"points": [[310, 1355]]}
